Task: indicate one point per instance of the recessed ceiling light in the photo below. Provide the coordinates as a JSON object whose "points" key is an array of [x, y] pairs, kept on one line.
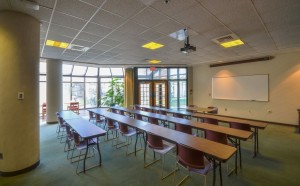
{"points": [[154, 61], [232, 43], [57, 44], [152, 45]]}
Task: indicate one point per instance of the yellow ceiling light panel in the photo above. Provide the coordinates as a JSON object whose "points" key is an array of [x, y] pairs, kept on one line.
{"points": [[57, 44], [154, 61], [152, 45], [232, 43]]}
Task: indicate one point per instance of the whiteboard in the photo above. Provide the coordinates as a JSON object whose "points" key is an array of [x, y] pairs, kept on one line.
{"points": [[252, 88]]}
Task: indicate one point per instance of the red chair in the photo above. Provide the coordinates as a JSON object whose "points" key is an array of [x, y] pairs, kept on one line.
{"points": [[74, 106], [161, 147], [139, 117], [163, 112], [193, 161], [178, 115], [128, 133], [153, 120], [210, 121], [113, 110], [183, 128], [148, 110], [113, 127], [44, 110], [92, 116]]}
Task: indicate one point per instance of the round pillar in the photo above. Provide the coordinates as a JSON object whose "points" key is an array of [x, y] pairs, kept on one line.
{"points": [[54, 89], [19, 90]]}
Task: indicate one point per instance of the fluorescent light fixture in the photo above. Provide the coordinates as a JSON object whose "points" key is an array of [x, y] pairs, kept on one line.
{"points": [[152, 45], [154, 61], [179, 35], [232, 43], [57, 44], [78, 48]]}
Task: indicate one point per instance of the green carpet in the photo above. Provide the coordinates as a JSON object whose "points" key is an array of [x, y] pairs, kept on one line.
{"points": [[278, 163]]}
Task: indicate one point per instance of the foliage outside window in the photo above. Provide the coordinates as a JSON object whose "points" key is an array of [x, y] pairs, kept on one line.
{"points": [[115, 93]]}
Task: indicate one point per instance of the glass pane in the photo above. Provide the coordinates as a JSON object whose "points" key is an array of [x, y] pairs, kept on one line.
{"points": [[104, 72], [77, 79], [90, 95], [43, 68], [93, 80], [160, 73], [144, 73], [78, 93], [144, 94], [92, 71], [66, 95], [173, 96], [66, 79], [79, 70], [103, 89], [160, 93], [105, 80], [182, 73], [173, 73], [42, 78], [43, 91], [182, 93], [67, 69], [117, 71]]}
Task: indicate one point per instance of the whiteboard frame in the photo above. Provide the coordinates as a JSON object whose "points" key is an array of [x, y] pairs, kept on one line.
{"points": [[263, 98]]}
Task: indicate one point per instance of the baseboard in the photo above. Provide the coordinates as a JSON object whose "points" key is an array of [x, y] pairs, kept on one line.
{"points": [[22, 171]]}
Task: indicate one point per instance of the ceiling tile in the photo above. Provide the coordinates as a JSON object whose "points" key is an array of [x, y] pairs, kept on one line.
{"points": [[63, 30], [76, 8], [168, 27], [96, 29], [83, 43], [96, 3], [132, 28], [149, 17], [88, 37], [68, 21], [151, 35], [110, 42], [57, 37], [173, 8], [107, 19]]}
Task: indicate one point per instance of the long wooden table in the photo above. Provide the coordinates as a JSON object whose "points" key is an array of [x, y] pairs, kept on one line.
{"points": [[215, 150], [254, 124], [230, 132], [85, 129], [172, 111]]}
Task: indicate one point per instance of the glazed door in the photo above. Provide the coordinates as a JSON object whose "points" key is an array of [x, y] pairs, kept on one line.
{"points": [[153, 93]]}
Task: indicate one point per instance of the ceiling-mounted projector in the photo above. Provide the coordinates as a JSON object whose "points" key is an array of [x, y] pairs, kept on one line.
{"points": [[187, 47]]}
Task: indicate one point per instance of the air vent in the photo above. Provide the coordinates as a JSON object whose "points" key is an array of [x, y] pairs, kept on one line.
{"points": [[226, 38], [78, 48]]}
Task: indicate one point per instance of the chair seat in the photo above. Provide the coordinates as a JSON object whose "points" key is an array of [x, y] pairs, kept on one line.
{"points": [[130, 132], [166, 148], [208, 167]]}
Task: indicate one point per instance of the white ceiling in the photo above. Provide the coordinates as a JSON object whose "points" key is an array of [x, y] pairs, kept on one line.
{"points": [[116, 29]]}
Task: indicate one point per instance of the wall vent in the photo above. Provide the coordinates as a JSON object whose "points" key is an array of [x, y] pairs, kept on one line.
{"points": [[78, 48]]}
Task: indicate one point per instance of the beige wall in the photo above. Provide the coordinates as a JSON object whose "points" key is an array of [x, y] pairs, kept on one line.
{"points": [[284, 89]]}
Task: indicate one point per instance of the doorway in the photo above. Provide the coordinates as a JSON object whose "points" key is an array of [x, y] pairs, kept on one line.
{"points": [[153, 93]]}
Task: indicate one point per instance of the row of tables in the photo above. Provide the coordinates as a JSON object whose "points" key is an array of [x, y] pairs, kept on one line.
{"points": [[217, 151], [85, 129], [204, 113]]}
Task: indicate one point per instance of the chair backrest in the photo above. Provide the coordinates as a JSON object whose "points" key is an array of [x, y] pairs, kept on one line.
{"points": [[98, 118], [74, 104], [154, 141], [122, 112], [91, 114], [190, 157], [68, 130], [178, 115], [240, 126], [60, 121], [153, 120], [163, 112], [210, 121], [44, 107], [216, 136], [183, 128], [214, 111], [138, 116], [57, 114], [123, 128], [110, 124], [148, 110], [113, 110], [76, 138]]}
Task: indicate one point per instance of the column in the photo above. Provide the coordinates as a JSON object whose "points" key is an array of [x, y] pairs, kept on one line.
{"points": [[19, 93], [129, 88], [54, 89]]}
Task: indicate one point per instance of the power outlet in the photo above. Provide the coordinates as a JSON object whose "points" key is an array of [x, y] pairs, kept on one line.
{"points": [[1, 156]]}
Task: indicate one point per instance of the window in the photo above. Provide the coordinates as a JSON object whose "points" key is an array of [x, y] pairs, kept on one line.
{"points": [[79, 70], [90, 92], [105, 72], [92, 71], [67, 69]]}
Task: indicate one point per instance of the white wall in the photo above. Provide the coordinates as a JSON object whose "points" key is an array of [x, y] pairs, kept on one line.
{"points": [[284, 89]]}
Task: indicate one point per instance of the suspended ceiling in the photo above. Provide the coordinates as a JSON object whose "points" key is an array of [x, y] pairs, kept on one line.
{"points": [[115, 30]]}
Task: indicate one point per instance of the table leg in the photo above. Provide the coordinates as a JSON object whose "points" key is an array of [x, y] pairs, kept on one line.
{"points": [[86, 151], [255, 142], [100, 159], [214, 172], [240, 152], [220, 172]]}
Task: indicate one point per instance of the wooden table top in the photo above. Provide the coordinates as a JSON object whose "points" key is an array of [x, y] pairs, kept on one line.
{"points": [[219, 151], [257, 124], [67, 114], [178, 111], [236, 133], [84, 128]]}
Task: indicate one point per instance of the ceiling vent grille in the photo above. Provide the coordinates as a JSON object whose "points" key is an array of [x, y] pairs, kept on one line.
{"points": [[78, 48], [226, 38]]}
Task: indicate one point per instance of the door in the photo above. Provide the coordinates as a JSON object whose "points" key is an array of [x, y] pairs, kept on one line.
{"points": [[153, 93]]}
